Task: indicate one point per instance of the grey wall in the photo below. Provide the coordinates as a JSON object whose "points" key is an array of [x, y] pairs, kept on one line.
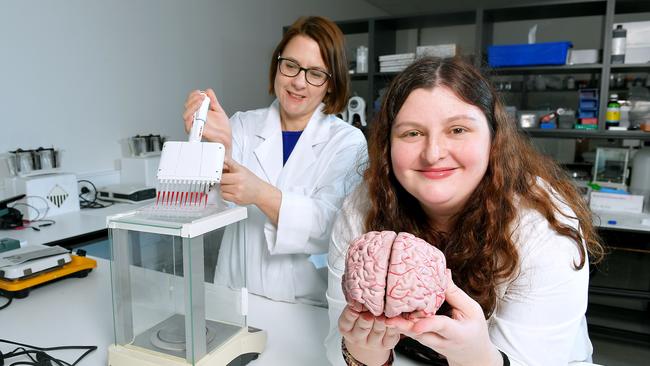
{"points": [[81, 75]]}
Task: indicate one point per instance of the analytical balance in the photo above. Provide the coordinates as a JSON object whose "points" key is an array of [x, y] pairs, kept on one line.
{"points": [[164, 312], [611, 167]]}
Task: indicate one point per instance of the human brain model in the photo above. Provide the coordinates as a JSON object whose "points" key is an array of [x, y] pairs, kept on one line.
{"points": [[394, 274]]}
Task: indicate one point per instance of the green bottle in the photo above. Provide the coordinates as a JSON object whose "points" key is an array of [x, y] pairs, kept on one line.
{"points": [[613, 115]]}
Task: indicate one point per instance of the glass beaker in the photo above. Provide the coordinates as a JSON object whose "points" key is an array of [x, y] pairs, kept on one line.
{"points": [[23, 161], [138, 145], [156, 142], [44, 158]]}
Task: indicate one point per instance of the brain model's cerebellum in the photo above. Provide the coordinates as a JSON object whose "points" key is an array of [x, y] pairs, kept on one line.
{"points": [[394, 274]]}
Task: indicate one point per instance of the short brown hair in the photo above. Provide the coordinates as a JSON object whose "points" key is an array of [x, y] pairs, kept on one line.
{"points": [[332, 49]]}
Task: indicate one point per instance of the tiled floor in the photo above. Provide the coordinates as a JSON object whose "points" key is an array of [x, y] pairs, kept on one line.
{"points": [[606, 352]]}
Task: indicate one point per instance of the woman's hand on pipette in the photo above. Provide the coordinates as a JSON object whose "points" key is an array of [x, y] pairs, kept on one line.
{"points": [[242, 187], [462, 338], [367, 337], [217, 127]]}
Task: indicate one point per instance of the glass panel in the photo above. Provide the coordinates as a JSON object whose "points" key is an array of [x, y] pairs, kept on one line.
{"points": [[611, 165], [163, 292], [223, 299], [149, 293], [172, 218]]}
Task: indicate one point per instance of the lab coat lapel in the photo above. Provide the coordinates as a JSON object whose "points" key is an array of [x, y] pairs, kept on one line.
{"points": [[269, 151], [302, 157]]}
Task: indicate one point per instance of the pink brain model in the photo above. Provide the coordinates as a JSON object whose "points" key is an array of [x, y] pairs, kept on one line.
{"points": [[394, 274]]}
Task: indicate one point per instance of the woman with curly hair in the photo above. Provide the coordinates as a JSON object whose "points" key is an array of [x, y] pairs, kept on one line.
{"points": [[448, 165]]}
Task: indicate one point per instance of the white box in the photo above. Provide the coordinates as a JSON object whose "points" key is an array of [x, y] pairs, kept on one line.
{"points": [[439, 50], [398, 56], [576, 57], [140, 170], [616, 202], [637, 54], [46, 195], [638, 33]]}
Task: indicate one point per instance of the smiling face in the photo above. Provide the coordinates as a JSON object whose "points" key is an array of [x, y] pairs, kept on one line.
{"points": [[299, 99], [440, 148]]}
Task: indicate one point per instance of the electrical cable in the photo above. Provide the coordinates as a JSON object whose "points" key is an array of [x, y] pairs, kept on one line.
{"points": [[94, 201], [41, 357], [40, 215], [38, 212], [9, 300]]}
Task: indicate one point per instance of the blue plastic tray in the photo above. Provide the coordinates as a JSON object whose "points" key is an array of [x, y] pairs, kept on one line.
{"points": [[550, 53]]}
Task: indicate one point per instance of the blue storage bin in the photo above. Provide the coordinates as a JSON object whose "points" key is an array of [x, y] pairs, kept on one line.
{"points": [[588, 104], [588, 114], [550, 53]]}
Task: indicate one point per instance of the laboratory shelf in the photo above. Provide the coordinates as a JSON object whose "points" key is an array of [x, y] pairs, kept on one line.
{"points": [[592, 134], [384, 37], [552, 9], [426, 20], [563, 69], [631, 67]]}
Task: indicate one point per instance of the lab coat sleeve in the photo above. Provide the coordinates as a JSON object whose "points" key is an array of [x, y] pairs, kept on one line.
{"points": [[348, 226], [540, 319], [306, 217]]}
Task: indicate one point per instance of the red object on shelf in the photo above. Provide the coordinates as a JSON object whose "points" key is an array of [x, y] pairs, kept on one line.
{"points": [[589, 121]]}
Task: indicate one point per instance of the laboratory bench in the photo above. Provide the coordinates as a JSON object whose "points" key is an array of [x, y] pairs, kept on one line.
{"points": [[78, 311], [72, 229], [619, 291]]}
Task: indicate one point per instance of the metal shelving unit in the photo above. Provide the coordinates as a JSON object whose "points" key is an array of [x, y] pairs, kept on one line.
{"points": [[382, 31], [382, 36], [591, 134]]}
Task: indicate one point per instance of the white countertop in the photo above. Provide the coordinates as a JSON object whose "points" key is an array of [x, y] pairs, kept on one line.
{"points": [[87, 221], [622, 220], [70, 225], [78, 311]]}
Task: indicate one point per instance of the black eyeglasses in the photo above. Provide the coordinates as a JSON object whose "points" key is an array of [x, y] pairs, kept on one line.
{"points": [[291, 69]]}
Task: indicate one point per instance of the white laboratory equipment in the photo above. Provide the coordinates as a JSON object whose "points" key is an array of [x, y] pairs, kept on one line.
{"points": [[611, 167], [357, 111], [164, 311], [46, 195]]}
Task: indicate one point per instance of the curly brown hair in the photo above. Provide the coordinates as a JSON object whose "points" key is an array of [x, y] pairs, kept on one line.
{"points": [[479, 247]]}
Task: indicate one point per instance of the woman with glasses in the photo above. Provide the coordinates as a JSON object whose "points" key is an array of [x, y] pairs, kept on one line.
{"points": [[291, 164]]}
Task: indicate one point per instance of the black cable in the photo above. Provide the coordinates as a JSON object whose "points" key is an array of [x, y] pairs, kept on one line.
{"points": [[9, 300], [95, 202], [41, 356]]}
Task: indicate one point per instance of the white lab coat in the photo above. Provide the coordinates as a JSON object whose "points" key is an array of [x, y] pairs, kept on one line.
{"points": [[322, 170], [539, 318]]}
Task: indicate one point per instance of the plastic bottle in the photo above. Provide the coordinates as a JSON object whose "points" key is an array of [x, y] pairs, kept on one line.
{"points": [[362, 59], [625, 115], [613, 115], [619, 36]]}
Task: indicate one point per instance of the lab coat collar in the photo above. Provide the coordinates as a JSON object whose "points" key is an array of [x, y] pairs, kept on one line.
{"points": [[269, 152]]}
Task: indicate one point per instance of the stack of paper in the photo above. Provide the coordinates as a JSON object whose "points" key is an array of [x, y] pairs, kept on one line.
{"points": [[396, 62]]}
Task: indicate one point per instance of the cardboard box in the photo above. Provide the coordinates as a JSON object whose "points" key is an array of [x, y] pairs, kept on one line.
{"points": [[616, 202]]}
